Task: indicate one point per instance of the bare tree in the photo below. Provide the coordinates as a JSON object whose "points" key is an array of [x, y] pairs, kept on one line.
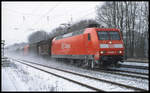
{"points": [[38, 36]]}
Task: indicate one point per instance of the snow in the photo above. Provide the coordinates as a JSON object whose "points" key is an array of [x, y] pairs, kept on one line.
{"points": [[135, 64], [34, 79], [133, 74], [10, 82], [132, 70], [97, 84], [7, 84], [122, 80], [24, 78]]}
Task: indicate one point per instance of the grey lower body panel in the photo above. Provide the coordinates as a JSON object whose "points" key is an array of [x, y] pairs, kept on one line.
{"points": [[73, 56]]}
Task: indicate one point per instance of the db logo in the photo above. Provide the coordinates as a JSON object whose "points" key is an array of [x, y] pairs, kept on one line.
{"points": [[63, 46], [111, 46]]}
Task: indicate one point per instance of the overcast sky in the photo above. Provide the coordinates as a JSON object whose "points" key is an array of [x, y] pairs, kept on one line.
{"points": [[19, 19]]}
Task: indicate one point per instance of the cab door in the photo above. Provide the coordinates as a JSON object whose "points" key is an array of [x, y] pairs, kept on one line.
{"points": [[88, 43]]}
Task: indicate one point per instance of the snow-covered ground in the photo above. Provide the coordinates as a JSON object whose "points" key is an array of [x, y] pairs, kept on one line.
{"points": [[24, 78], [11, 82], [97, 84], [136, 64], [52, 83], [131, 69]]}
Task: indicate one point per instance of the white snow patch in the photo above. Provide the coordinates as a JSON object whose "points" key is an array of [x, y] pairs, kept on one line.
{"points": [[135, 64]]}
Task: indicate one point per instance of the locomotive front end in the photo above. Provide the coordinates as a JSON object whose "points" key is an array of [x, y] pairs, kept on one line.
{"points": [[111, 48]]}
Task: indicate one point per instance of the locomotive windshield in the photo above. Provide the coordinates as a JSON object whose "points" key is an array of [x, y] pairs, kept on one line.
{"points": [[108, 35]]}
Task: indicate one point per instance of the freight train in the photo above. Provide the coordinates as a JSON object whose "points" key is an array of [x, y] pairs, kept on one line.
{"points": [[90, 46]]}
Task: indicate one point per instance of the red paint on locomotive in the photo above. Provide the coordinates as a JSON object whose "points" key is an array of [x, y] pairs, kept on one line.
{"points": [[26, 49], [91, 42]]}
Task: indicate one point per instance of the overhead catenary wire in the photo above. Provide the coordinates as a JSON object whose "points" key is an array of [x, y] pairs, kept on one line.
{"points": [[76, 12], [21, 13], [37, 21], [42, 16], [46, 14], [24, 15], [80, 16], [54, 17]]}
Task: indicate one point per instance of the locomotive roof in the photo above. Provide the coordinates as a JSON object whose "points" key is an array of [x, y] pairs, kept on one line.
{"points": [[104, 29]]}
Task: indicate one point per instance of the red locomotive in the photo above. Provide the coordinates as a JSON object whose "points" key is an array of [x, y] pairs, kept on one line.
{"points": [[91, 46]]}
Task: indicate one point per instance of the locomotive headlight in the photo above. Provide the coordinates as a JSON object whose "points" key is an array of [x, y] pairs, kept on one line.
{"points": [[102, 52], [120, 52], [104, 46]]}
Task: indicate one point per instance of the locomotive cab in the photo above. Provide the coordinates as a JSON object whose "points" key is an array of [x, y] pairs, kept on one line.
{"points": [[109, 46]]}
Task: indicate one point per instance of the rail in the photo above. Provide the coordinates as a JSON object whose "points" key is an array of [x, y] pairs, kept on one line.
{"points": [[86, 76]]}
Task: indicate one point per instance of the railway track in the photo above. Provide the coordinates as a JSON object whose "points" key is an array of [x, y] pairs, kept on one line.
{"points": [[136, 67], [121, 74], [135, 61], [29, 63], [85, 85], [130, 72]]}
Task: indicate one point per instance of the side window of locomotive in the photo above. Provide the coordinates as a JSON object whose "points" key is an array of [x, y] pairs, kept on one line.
{"points": [[89, 37], [67, 35], [58, 37], [77, 32]]}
